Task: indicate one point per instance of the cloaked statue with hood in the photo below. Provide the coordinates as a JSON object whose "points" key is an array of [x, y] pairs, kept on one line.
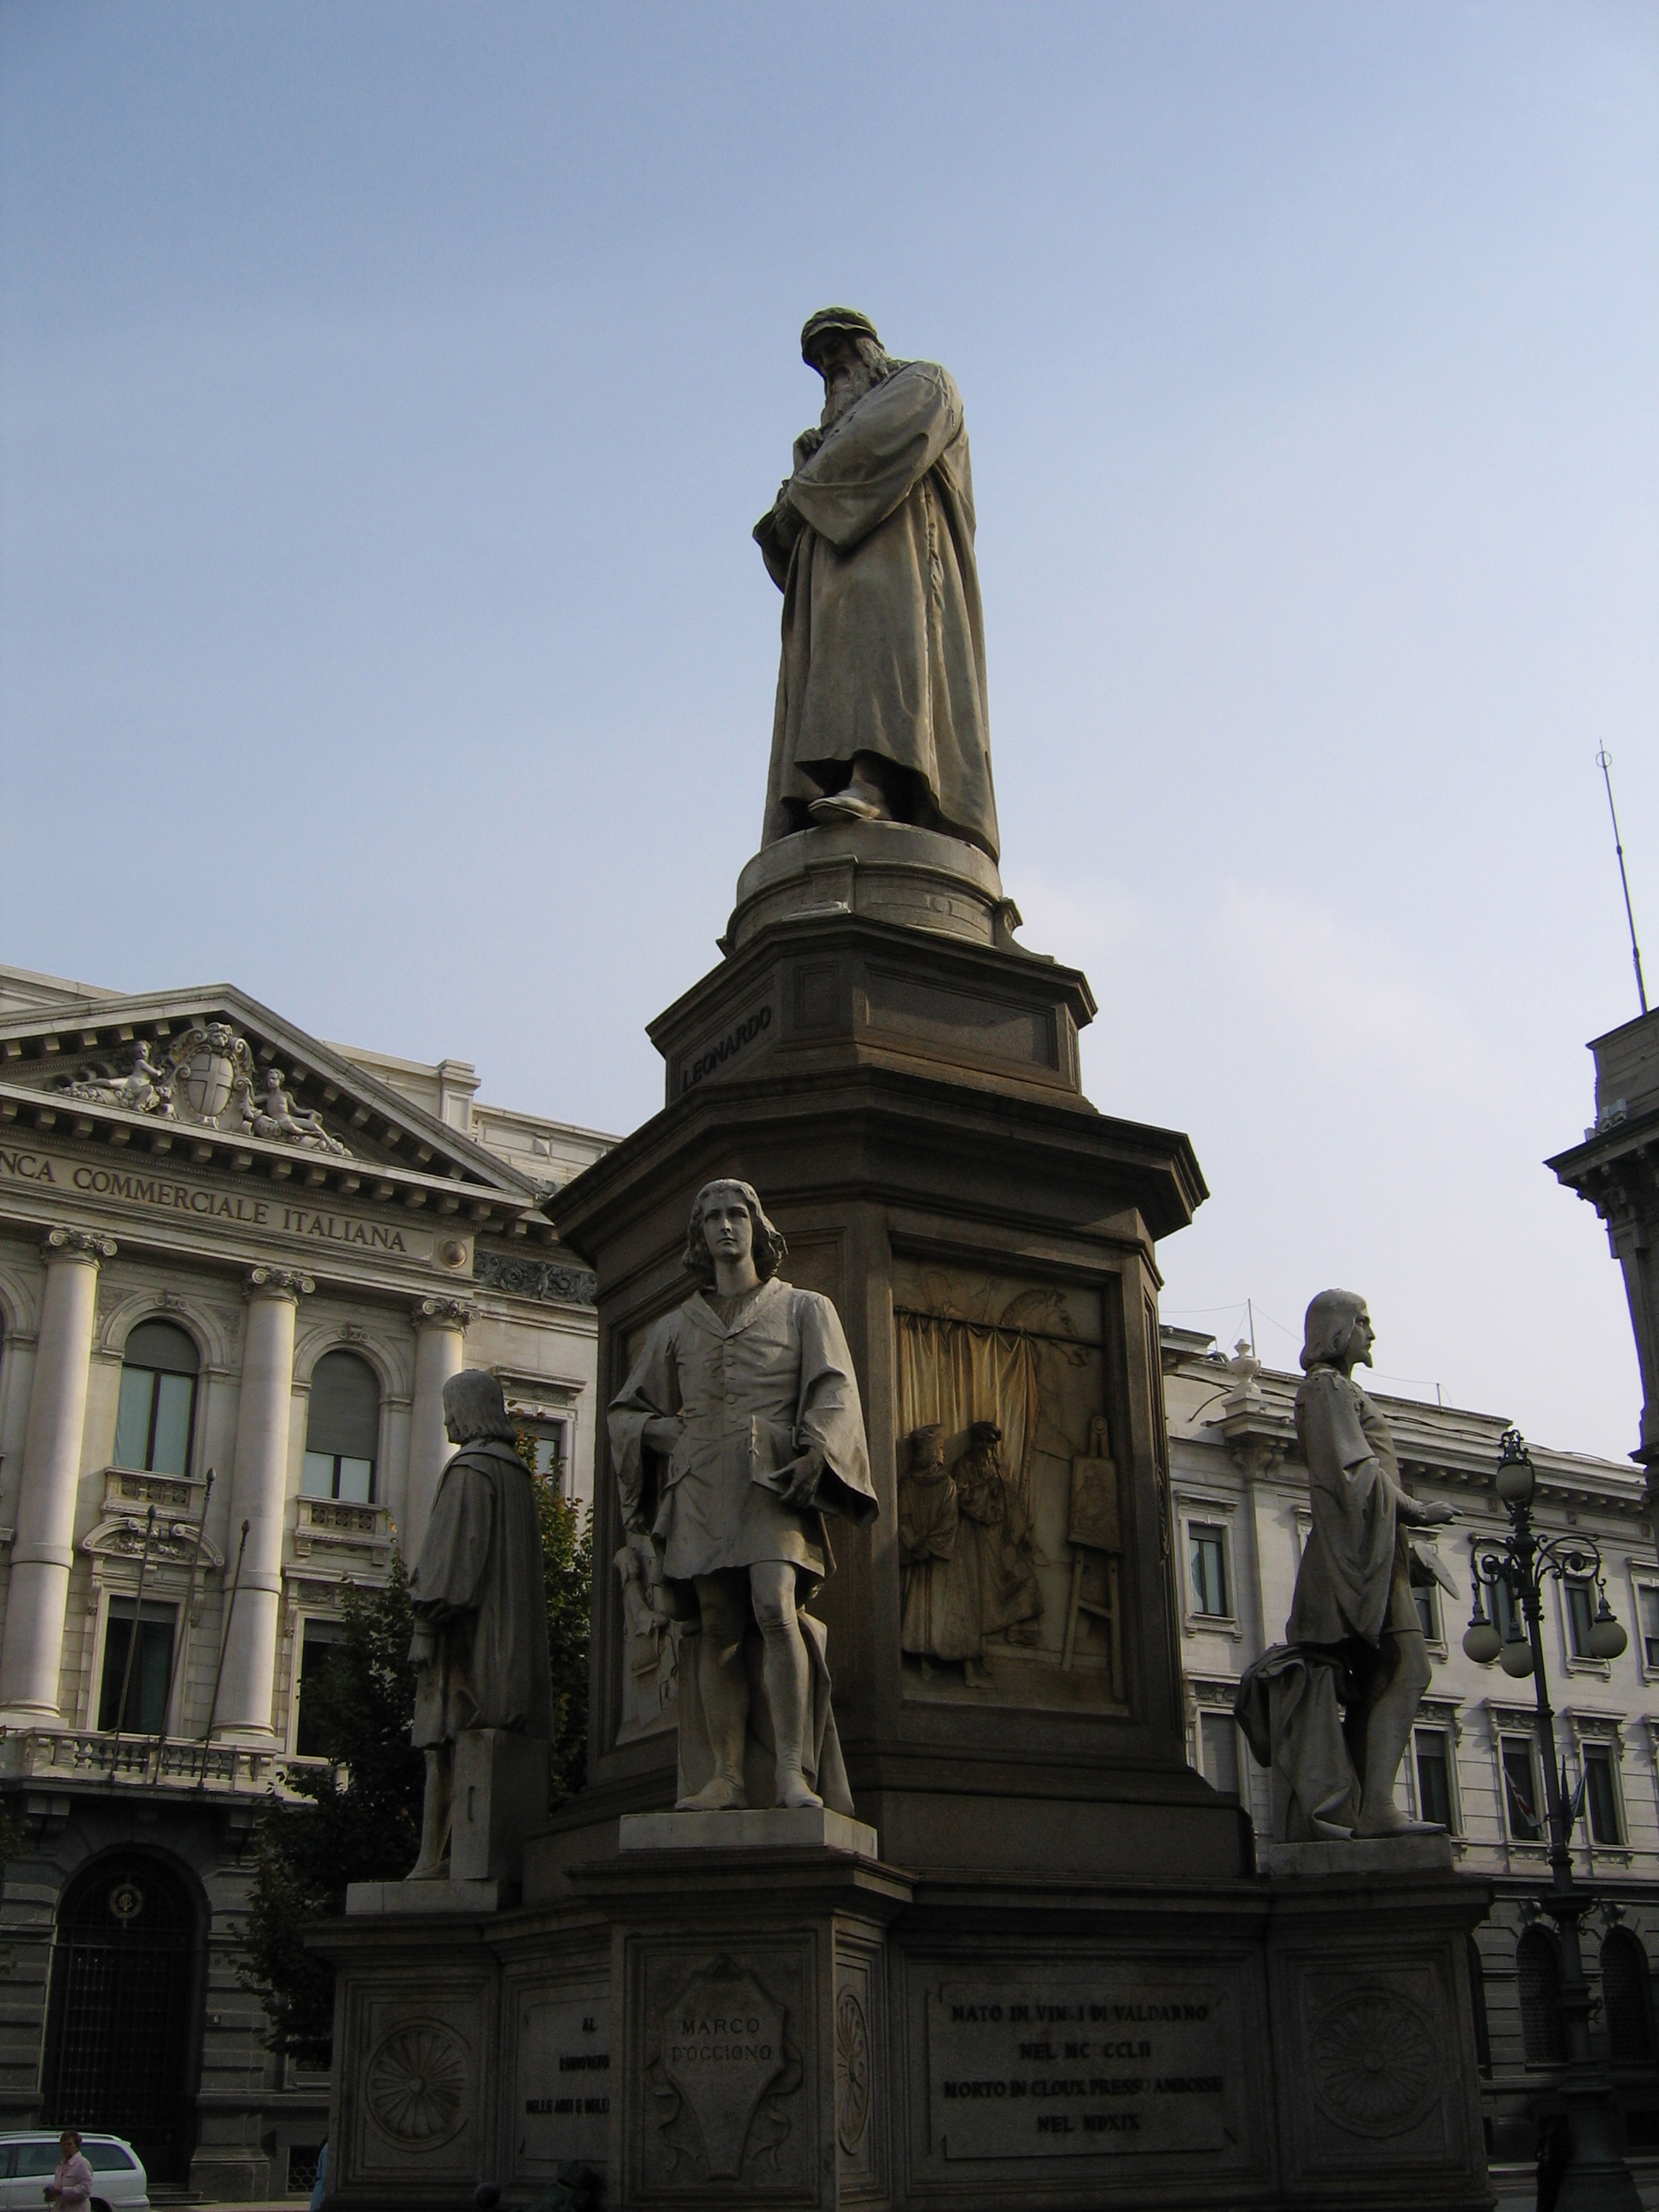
{"points": [[1330, 1709], [738, 1431]]}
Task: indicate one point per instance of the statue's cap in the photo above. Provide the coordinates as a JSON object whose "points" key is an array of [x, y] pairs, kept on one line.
{"points": [[817, 327]]}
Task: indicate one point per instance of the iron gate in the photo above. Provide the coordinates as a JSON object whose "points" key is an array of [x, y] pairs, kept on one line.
{"points": [[120, 2033]]}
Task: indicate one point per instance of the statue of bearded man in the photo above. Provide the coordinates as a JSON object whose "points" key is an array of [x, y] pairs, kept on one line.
{"points": [[738, 1429], [881, 710]]}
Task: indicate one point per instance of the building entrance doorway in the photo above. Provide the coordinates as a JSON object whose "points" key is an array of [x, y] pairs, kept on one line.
{"points": [[120, 2027]]}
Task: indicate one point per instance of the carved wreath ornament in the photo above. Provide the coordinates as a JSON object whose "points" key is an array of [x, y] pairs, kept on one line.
{"points": [[417, 2085], [1373, 2061]]}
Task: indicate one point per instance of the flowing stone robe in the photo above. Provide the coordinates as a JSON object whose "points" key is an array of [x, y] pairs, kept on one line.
{"points": [[478, 1587], [1353, 1588], [883, 639], [1355, 1577]]}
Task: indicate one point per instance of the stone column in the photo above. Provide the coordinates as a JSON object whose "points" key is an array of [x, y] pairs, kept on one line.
{"points": [[439, 1352], [45, 1546], [260, 1495]]}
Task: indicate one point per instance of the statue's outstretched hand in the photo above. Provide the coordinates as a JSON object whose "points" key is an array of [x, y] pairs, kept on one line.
{"points": [[1416, 1513]]}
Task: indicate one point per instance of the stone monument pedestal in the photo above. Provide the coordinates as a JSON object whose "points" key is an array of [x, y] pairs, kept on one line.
{"points": [[795, 2024], [1057, 1981]]}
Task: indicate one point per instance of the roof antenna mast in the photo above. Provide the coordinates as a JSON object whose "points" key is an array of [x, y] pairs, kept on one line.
{"points": [[1605, 761]]}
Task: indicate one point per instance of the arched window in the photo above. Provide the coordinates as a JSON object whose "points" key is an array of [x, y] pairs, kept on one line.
{"points": [[1538, 1971], [158, 1399], [343, 1432], [1625, 1998], [1478, 2007]]}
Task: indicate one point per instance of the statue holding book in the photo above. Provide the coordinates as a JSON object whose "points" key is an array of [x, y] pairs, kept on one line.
{"points": [[737, 1432]]}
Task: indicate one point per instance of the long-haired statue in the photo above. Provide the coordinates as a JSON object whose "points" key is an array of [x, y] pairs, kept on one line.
{"points": [[1354, 1635], [738, 1430]]}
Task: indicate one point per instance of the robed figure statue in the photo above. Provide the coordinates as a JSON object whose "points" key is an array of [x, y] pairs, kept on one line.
{"points": [[1331, 1709], [480, 1604], [738, 1430], [881, 709]]}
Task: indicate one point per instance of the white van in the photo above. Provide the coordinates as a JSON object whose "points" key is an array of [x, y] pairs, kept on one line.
{"points": [[28, 2162]]}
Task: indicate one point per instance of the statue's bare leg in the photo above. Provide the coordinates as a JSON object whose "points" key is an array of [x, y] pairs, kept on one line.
{"points": [[787, 1673], [436, 1813], [722, 1601], [1387, 1731]]}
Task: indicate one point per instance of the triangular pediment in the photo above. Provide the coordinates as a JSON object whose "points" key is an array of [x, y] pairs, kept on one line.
{"points": [[212, 1072]]}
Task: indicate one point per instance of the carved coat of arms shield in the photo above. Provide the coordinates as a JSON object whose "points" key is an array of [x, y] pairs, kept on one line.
{"points": [[206, 1063]]}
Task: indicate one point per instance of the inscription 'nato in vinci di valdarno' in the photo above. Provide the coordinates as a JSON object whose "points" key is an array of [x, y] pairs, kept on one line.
{"points": [[1056, 2071]]}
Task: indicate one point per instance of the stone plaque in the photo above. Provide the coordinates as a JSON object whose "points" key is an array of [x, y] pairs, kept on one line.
{"points": [[722, 2048], [563, 2103], [1129, 2059]]}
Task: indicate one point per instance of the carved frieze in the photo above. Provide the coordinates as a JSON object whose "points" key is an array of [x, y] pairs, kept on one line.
{"points": [[555, 1282], [207, 1079]]}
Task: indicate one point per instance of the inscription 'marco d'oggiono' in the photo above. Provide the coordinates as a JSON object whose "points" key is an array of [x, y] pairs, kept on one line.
{"points": [[717, 2038], [1006, 2075], [716, 1055]]}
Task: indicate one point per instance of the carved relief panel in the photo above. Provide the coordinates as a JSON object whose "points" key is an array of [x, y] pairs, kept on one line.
{"points": [[1011, 1524]]}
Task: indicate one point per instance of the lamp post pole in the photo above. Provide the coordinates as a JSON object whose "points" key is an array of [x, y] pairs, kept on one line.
{"points": [[1597, 2179]]}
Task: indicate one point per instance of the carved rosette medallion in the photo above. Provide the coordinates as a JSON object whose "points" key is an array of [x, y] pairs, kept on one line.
{"points": [[416, 2086], [852, 2072], [1374, 2068]]}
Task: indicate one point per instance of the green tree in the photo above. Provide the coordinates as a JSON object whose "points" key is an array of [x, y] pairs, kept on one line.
{"points": [[360, 1817]]}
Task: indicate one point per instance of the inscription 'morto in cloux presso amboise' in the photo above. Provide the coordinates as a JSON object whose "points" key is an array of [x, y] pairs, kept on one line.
{"points": [[1062, 2073]]}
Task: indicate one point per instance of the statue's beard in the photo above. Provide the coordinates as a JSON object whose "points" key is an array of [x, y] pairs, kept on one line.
{"points": [[845, 391]]}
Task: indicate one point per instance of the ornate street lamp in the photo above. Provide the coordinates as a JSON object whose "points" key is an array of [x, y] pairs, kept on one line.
{"points": [[1597, 2178]]}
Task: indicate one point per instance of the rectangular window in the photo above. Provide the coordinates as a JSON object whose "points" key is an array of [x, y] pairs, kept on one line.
{"points": [[1434, 1776], [1521, 1801], [1218, 1750], [332, 1474], [1601, 1794], [1500, 1601], [1209, 1565], [152, 1668], [1580, 1615], [1646, 1603], [318, 1645], [152, 1421], [1428, 1615]]}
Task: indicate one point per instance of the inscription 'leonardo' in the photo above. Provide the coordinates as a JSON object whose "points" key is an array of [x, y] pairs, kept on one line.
{"points": [[1014, 2071], [716, 1055]]}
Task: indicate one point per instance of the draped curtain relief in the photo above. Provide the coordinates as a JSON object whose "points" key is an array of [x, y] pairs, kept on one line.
{"points": [[954, 1372]]}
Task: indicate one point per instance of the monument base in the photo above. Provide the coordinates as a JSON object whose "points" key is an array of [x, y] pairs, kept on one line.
{"points": [[802, 2026]]}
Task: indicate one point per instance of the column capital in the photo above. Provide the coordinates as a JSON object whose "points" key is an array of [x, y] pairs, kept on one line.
{"points": [[86, 1245], [445, 1312], [290, 1283]]}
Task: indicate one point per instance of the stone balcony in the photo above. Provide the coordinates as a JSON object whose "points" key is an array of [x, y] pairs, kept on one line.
{"points": [[175, 1497], [326, 1532], [44, 1759]]}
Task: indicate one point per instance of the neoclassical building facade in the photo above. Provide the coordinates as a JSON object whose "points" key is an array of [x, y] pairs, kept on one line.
{"points": [[1240, 1514], [237, 1267]]}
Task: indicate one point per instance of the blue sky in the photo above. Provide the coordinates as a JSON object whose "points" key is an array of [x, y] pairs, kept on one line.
{"points": [[386, 394]]}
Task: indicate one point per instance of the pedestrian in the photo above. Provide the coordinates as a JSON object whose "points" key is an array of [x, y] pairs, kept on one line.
{"points": [[319, 2187], [70, 2187]]}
